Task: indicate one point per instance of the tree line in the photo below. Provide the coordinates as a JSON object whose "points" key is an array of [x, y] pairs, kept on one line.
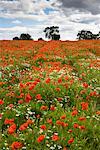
{"points": [[52, 33]]}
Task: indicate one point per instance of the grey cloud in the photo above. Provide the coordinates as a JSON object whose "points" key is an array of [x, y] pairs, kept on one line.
{"points": [[92, 6], [86, 19]]}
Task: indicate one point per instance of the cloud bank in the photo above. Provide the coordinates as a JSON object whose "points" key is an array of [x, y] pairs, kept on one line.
{"points": [[32, 16]]}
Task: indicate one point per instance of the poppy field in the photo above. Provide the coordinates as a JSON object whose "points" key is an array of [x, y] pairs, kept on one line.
{"points": [[49, 95]]}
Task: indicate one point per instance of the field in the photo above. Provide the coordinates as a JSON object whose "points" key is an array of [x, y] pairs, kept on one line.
{"points": [[49, 95]]}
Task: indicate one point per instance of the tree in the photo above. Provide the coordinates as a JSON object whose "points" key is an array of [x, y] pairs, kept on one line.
{"points": [[87, 35], [24, 36], [52, 33], [40, 39], [96, 36], [16, 38]]}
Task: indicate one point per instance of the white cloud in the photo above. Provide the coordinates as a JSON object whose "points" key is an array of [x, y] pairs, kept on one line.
{"points": [[33, 10], [16, 22]]}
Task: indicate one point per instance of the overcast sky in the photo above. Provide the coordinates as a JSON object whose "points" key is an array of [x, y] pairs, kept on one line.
{"points": [[32, 16]]}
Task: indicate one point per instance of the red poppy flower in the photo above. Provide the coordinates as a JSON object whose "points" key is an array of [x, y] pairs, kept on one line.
{"points": [[9, 121], [59, 80], [16, 145], [70, 131], [49, 121], [82, 127], [29, 121], [20, 102], [52, 107], [74, 113], [82, 118], [48, 80], [58, 122], [12, 129], [63, 117], [55, 137], [94, 93], [58, 89], [85, 85], [44, 107], [98, 112], [71, 141], [31, 87], [28, 98], [76, 125], [40, 138], [84, 105], [38, 97], [59, 99], [23, 126], [1, 102], [43, 127], [11, 106]]}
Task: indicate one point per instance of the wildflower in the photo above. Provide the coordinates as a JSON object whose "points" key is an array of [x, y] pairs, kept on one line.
{"points": [[28, 98], [49, 121], [81, 118], [82, 127], [55, 137], [58, 122], [74, 113], [59, 80], [40, 138], [38, 116], [31, 87], [66, 77], [98, 112], [16, 145], [94, 93], [11, 106], [59, 99], [63, 124], [71, 141], [37, 80], [38, 97], [12, 128], [80, 79], [44, 107], [22, 85], [65, 148], [43, 127], [84, 105], [58, 89], [75, 125], [63, 117], [20, 102], [29, 121], [9, 121], [52, 107], [23, 126], [48, 80], [71, 81], [85, 85], [70, 131], [83, 74], [1, 102]]}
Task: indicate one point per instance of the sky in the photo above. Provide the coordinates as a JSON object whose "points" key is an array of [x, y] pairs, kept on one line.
{"points": [[32, 16]]}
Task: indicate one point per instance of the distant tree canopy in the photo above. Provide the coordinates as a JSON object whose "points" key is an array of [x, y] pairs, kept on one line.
{"points": [[52, 33], [23, 36], [16, 38], [40, 39], [87, 35]]}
